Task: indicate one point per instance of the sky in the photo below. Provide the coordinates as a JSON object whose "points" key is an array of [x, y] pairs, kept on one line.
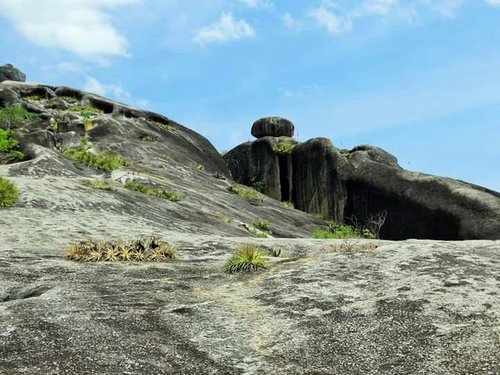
{"points": [[419, 78]]}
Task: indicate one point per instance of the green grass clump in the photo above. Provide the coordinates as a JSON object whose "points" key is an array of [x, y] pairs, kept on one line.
{"points": [[247, 258], [154, 191], [9, 194], [106, 161], [33, 98], [150, 249], [149, 138], [245, 192], [288, 205], [167, 127], [259, 186], [284, 147], [338, 231], [9, 147], [263, 225], [198, 166], [97, 184], [69, 99], [13, 117]]}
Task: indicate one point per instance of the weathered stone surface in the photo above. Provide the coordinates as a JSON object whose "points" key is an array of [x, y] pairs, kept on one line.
{"points": [[319, 172], [9, 73], [9, 97], [272, 127]]}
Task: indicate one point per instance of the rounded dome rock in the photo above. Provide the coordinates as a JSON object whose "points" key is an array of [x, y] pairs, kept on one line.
{"points": [[9, 73], [273, 127]]}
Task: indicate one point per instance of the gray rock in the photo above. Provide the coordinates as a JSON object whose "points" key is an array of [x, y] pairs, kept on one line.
{"points": [[9, 73], [9, 97], [272, 127]]}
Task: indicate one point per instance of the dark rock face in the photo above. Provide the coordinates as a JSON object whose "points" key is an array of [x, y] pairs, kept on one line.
{"points": [[9, 73], [272, 127], [361, 183]]}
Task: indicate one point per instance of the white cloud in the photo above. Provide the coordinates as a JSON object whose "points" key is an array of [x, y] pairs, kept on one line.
{"points": [[93, 85], [326, 17], [258, 4], [82, 27], [493, 2], [290, 22], [446, 8], [225, 30]]}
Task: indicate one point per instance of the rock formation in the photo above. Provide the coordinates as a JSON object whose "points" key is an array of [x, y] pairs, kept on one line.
{"points": [[346, 185], [9, 73]]}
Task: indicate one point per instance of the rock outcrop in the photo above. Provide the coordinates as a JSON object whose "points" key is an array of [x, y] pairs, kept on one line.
{"points": [[358, 184], [272, 127], [9, 73]]}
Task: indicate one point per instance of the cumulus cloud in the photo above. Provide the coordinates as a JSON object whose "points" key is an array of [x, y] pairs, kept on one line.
{"points": [[82, 27], [226, 29], [290, 22], [329, 18], [95, 86]]}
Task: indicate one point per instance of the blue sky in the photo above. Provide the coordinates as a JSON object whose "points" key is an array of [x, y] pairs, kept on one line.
{"points": [[420, 78]]}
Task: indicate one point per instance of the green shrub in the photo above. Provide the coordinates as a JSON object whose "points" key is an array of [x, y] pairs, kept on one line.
{"points": [[167, 127], [245, 192], [259, 186], [258, 233], [9, 194], [288, 205], [97, 184], [263, 225], [156, 192], [9, 147], [284, 147], [336, 231], [149, 138], [13, 117], [106, 161], [198, 166], [33, 98], [150, 248], [247, 258]]}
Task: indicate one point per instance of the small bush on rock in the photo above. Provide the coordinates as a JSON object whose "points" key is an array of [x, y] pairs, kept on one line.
{"points": [[245, 192], [149, 249], [106, 161], [247, 258], [154, 191], [97, 184], [284, 147], [9, 194], [13, 117], [9, 147], [263, 225]]}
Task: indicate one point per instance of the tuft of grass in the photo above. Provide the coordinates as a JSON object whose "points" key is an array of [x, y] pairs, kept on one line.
{"points": [[149, 138], [288, 205], [33, 98], [339, 231], [284, 147], [258, 233], [106, 161], [247, 258], [154, 191], [9, 147], [198, 166], [13, 117], [167, 127], [97, 184], [85, 110], [263, 225], [69, 99], [245, 192], [259, 186], [9, 194], [151, 249]]}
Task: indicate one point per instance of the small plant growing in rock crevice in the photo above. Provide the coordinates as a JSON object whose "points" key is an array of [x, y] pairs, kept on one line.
{"points": [[12, 117], [288, 205], [9, 194], [284, 147], [97, 184], [263, 225], [9, 147], [151, 249], [198, 167], [245, 193], [106, 161], [247, 258], [153, 191]]}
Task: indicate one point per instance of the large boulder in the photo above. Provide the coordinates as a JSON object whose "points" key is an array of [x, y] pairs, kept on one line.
{"points": [[272, 127], [9, 73]]}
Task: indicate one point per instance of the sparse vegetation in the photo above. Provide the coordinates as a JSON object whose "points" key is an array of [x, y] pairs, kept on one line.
{"points": [[9, 147], [245, 192], [336, 231], [288, 205], [106, 161], [86, 111], [154, 191], [13, 117], [263, 225], [9, 194], [151, 249], [69, 99], [247, 258], [258, 233], [98, 184], [149, 138], [259, 186], [198, 166], [167, 127], [284, 147], [33, 98]]}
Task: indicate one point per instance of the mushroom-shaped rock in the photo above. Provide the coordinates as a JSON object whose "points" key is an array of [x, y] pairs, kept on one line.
{"points": [[9, 73], [272, 127]]}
